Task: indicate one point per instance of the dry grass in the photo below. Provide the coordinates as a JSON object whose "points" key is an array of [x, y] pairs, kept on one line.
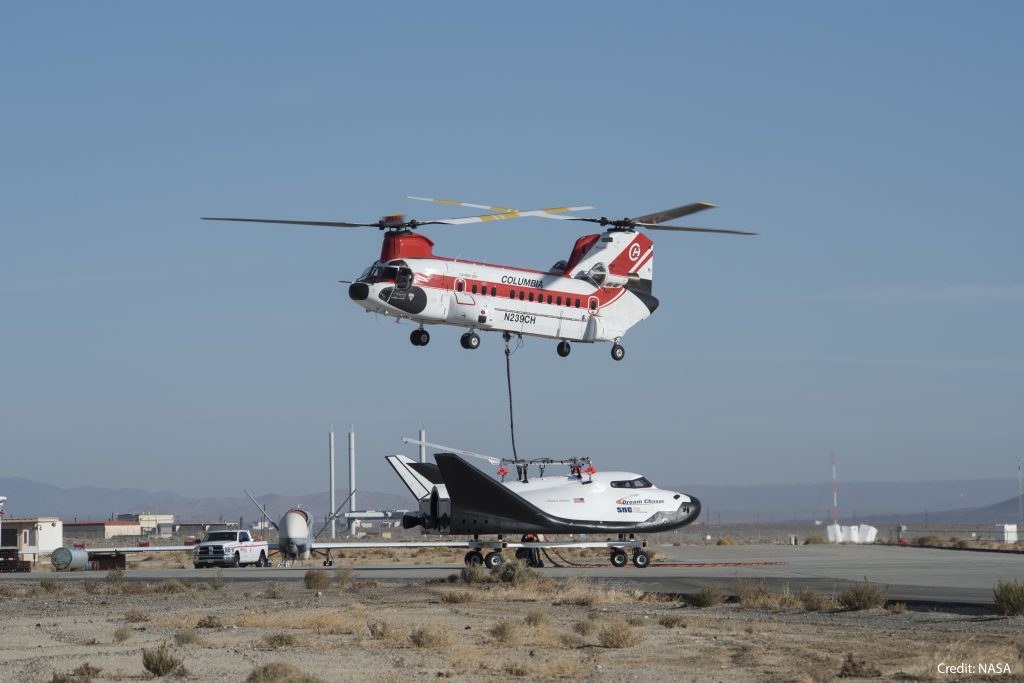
{"points": [[171, 587], [345, 577], [135, 616], [383, 630], [160, 661], [472, 573], [756, 595], [505, 631], [115, 575], [121, 634], [209, 621], [672, 621], [271, 592], [316, 579], [536, 618], [50, 586], [279, 672], [317, 621], [84, 673], [708, 596], [815, 540], [813, 601], [725, 540], [458, 597], [896, 607], [1009, 598], [188, 638], [862, 596], [580, 593], [217, 580], [280, 641], [618, 634], [585, 627], [431, 637]]}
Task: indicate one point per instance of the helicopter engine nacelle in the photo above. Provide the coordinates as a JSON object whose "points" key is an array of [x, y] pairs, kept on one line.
{"points": [[599, 274]]}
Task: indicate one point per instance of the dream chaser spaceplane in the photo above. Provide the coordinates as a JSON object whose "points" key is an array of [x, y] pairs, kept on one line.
{"points": [[457, 498]]}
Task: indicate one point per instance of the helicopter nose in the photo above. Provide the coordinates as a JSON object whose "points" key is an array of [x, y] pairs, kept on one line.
{"points": [[358, 291]]}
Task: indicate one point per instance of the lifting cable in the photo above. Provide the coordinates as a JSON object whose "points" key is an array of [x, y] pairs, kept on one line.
{"points": [[521, 473]]}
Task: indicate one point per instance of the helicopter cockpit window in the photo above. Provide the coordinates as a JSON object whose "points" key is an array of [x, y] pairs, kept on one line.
{"points": [[404, 279], [638, 483]]}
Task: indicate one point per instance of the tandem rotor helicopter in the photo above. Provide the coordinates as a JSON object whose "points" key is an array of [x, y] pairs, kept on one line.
{"points": [[596, 295]]}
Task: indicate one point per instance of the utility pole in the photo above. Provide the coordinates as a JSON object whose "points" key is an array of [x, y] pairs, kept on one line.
{"points": [[331, 466], [351, 477], [835, 491]]}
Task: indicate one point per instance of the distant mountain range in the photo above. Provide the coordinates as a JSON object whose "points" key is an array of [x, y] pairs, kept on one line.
{"points": [[974, 501], [27, 498]]}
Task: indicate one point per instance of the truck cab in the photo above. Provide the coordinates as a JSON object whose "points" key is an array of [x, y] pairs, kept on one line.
{"points": [[230, 548]]}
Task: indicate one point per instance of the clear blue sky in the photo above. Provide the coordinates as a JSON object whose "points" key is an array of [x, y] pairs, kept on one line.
{"points": [[876, 147]]}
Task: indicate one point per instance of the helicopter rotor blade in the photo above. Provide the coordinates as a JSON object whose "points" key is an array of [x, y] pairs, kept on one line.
{"points": [[669, 214], [681, 228], [501, 209], [321, 224]]}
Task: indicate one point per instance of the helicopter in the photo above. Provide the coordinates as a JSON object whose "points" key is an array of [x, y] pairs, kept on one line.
{"points": [[596, 295]]}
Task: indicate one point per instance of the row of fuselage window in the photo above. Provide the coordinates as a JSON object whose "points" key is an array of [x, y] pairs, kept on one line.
{"points": [[523, 296]]}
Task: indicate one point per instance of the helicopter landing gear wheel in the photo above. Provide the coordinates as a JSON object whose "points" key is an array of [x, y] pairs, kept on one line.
{"points": [[470, 341], [563, 348], [641, 560], [619, 558], [618, 353], [493, 560], [474, 558], [419, 337]]}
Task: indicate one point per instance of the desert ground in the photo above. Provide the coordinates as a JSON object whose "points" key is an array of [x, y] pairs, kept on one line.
{"points": [[328, 625]]}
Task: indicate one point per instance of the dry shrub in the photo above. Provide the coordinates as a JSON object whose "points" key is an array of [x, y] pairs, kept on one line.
{"points": [[896, 607], [536, 618], [271, 592], [209, 621], [115, 575], [813, 601], [708, 596], [434, 580], [171, 587], [50, 586], [316, 579], [135, 616], [121, 634], [585, 627], [929, 540], [618, 634], [431, 637], [84, 673], [853, 669], [1009, 598], [160, 661], [672, 621], [280, 641], [516, 669], [815, 540], [756, 595], [329, 623], [474, 573], [570, 640], [505, 631], [217, 580], [92, 587], [188, 638], [725, 540], [279, 672], [861, 596], [458, 597], [8, 591], [382, 630], [581, 593], [345, 577], [515, 573], [636, 620]]}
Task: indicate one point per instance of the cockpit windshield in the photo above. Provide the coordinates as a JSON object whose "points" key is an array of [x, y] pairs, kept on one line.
{"points": [[395, 271], [638, 483]]}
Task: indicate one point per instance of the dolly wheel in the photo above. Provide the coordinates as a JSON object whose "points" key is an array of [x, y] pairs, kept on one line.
{"points": [[619, 558], [493, 560], [474, 558], [641, 559]]}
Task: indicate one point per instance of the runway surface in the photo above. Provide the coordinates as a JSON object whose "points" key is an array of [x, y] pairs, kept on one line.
{"points": [[911, 574]]}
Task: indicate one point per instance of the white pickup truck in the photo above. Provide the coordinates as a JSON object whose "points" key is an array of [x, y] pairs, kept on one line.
{"points": [[229, 548]]}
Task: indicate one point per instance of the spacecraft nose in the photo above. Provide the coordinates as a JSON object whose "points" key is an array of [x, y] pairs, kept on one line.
{"points": [[358, 291]]}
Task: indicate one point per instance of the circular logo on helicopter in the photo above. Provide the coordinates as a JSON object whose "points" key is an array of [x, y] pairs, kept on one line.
{"points": [[634, 252]]}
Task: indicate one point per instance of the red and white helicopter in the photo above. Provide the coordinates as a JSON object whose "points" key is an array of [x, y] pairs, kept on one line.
{"points": [[602, 290]]}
